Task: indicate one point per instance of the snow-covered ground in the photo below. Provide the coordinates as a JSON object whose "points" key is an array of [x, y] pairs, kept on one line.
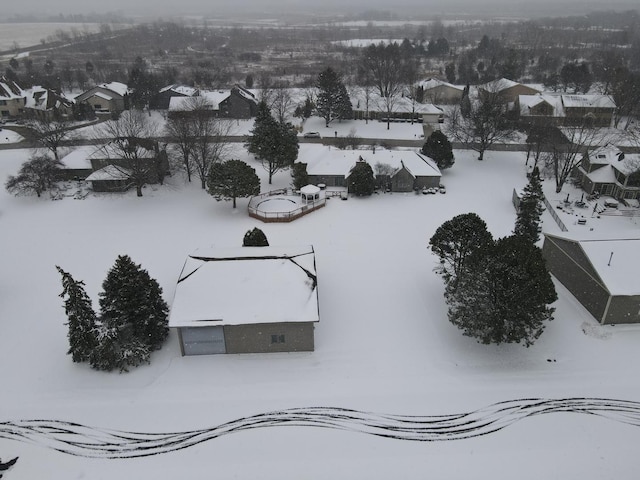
{"points": [[383, 343]]}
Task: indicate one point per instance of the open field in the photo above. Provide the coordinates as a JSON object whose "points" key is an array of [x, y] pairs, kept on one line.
{"points": [[383, 343]]}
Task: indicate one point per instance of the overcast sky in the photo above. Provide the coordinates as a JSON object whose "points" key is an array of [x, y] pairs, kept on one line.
{"points": [[210, 7]]}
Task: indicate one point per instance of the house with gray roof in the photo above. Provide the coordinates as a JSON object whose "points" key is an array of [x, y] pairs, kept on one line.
{"points": [[106, 98], [12, 99], [601, 273]]}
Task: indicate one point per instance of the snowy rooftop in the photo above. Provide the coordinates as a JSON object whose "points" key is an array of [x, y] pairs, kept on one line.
{"points": [[117, 87], [401, 104], [79, 158], [178, 104], [246, 285], [332, 161], [110, 172], [611, 155], [434, 82], [9, 89], [181, 89], [619, 271], [588, 101], [112, 151], [527, 102]]}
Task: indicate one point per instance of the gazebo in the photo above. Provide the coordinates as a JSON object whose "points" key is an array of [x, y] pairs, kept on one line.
{"points": [[310, 194]]}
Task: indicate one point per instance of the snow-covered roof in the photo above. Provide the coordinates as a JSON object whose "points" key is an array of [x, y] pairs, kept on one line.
{"points": [[309, 189], [180, 89], [110, 172], [181, 104], [527, 102], [246, 94], [79, 158], [611, 155], [117, 87], [434, 82], [332, 161], [588, 101], [9, 89], [113, 151], [246, 285], [103, 95], [400, 104], [501, 85], [619, 272]]}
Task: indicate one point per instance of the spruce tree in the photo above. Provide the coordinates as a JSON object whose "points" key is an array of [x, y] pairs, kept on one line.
{"points": [[530, 209], [438, 148], [82, 318], [274, 143], [361, 179], [504, 295], [255, 238], [333, 100]]}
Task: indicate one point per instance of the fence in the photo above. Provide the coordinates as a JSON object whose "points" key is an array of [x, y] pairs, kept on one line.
{"points": [[281, 217], [553, 213]]}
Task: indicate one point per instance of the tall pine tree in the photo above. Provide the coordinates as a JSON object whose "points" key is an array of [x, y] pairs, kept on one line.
{"points": [[232, 179], [504, 294], [82, 318], [530, 209], [333, 100]]}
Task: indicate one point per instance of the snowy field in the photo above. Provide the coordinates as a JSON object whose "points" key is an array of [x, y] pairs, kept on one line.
{"points": [[383, 344]]}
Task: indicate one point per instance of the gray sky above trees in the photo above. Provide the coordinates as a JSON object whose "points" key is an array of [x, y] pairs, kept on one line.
{"points": [[276, 7]]}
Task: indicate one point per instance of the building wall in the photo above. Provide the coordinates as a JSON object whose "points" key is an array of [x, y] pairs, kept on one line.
{"points": [[328, 180], [564, 260], [427, 182], [623, 309], [402, 181], [236, 106], [269, 337], [442, 94], [13, 107]]}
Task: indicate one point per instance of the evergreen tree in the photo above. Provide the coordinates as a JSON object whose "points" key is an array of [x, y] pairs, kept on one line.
{"points": [[118, 350], [232, 179], [299, 175], [530, 209], [132, 303], [274, 143], [361, 179], [333, 100], [438, 148], [255, 238], [82, 318], [455, 240], [504, 295]]}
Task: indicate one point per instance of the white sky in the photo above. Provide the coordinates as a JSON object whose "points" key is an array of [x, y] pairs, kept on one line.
{"points": [[190, 7]]}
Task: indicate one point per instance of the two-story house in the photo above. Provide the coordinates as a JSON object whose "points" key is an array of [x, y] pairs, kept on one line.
{"points": [[609, 171]]}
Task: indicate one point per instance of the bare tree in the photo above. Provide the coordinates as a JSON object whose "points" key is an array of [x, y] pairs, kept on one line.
{"points": [[564, 156], [49, 134], [282, 103], [210, 138], [485, 125], [385, 66], [132, 146], [35, 176]]}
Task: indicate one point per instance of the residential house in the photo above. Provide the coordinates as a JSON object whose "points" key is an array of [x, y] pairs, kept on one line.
{"points": [[598, 110], [12, 99], [106, 98], [601, 273], [236, 103], [240, 103], [45, 104], [111, 178], [609, 171], [76, 165], [506, 90], [161, 100], [246, 300], [438, 92], [395, 170], [403, 109]]}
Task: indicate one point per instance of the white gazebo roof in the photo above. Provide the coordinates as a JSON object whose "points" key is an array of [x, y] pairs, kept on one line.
{"points": [[309, 189]]}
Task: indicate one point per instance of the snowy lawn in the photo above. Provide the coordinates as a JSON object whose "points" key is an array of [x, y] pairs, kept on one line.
{"points": [[383, 343]]}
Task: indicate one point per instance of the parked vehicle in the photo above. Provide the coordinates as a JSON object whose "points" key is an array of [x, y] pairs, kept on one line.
{"points": [[312, 135]]}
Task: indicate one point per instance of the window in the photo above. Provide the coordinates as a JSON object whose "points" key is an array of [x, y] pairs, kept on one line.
{"points": [[277, 339], [3, 102]]}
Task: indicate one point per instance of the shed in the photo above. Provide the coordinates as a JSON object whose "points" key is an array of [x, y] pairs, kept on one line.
{"points": [[601, 273], [246, 300]]}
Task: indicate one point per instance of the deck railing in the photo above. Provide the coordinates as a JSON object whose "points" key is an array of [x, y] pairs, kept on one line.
{"points": [[271, 217]]}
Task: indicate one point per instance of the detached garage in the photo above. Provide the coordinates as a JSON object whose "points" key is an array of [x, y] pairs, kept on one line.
{"points": [[602, 274], [246, 300]]}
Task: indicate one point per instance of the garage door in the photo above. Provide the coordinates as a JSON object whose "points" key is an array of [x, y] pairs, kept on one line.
{"points": [[203, 340]]}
